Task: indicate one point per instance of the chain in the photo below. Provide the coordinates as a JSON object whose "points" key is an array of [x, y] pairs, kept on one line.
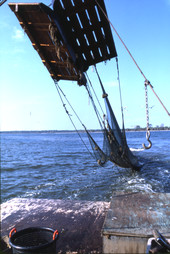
{"points": [[148, 83], [146, 101], [147, 116]]}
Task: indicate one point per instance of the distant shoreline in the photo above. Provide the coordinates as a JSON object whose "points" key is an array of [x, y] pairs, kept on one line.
{"points": [[97, 130]]}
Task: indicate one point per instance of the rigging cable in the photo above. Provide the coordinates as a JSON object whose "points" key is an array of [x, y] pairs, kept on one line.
{"points": [[146, 80], [132, 57], [118, 78], [94, 106], [104, 131], [95, 95], [97, 150], [105, 95], [101, 84], [64, 105], [2, 2]]}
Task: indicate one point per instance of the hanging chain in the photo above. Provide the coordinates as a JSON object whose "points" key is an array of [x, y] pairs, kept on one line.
{"points": [[147, 116], [104, 13], [147, 108]]}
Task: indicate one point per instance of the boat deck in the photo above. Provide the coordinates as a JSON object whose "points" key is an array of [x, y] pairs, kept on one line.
{"points": [[123, 226], [131, 218], [79, 222]]}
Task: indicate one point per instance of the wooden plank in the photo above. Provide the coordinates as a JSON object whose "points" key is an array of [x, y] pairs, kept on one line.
{"points": [[35, 23], [131, 218], [135, 212], [83, 30]]}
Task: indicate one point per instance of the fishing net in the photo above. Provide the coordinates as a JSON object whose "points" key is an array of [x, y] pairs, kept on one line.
{"points": [[115, 146]]}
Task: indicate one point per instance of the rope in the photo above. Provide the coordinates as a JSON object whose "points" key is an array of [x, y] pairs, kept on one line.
{"points": [[118, 78], [2, 2], [132, 57], [94, 106], [157, 97], [95, 95], [64, 105], [104, 93], [58, 88]]}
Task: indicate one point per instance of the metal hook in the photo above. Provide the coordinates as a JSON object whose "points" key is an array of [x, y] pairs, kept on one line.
{"points": [[147, 137], [149, 146]]}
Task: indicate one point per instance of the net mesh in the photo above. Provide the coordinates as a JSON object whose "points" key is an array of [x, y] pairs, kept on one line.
{"points": [[115, 146]]}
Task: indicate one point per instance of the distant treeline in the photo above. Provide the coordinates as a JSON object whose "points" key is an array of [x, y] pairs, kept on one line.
{"points": [[137, 128], [166, 128]]}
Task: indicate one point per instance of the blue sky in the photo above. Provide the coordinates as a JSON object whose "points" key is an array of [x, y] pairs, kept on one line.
{"points": [[29, 100]]}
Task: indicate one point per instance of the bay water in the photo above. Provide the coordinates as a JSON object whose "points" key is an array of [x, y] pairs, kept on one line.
{"points": [[56, 165]]}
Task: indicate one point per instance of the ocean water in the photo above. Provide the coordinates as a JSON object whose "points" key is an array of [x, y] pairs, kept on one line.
{"points": [[56, 165]]}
